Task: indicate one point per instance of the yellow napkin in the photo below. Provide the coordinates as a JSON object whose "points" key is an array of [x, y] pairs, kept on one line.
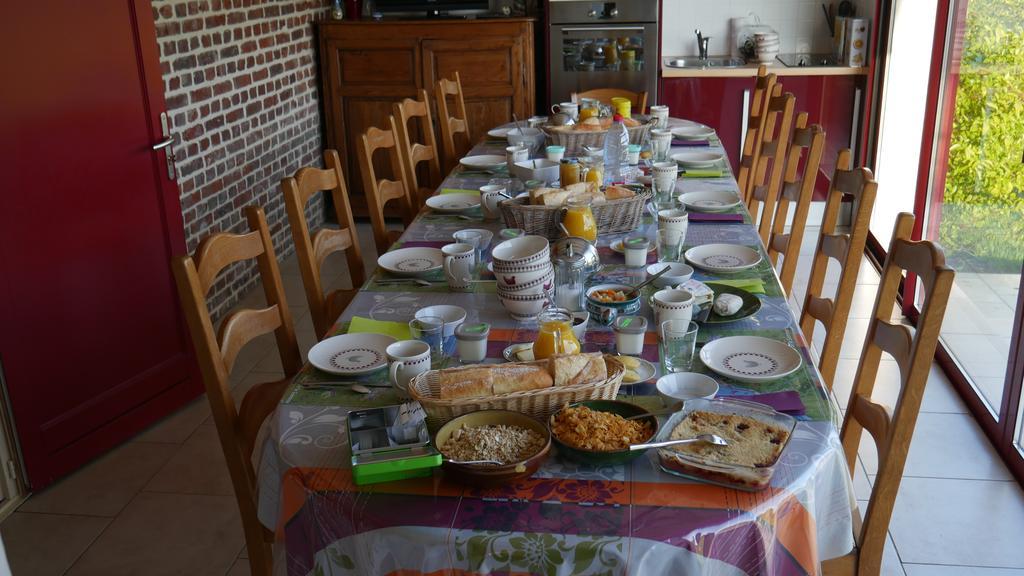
{"points": [[752, 285], [459, 191], [360, 325]]}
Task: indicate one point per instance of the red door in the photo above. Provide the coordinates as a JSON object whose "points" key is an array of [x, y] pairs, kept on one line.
{"points": [[91, 339]]}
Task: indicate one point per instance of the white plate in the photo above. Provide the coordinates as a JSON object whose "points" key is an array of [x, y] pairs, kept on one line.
{"points": [[750, 358], [498, 133], [483, 162], [645, 371], [616, 246], [452, 203], [698, 132], [710, 200], [411, 261], [723, 257], [697, 159], [509, 353], [351, 353]]}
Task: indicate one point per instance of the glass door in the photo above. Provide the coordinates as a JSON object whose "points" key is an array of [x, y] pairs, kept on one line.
{"points": [[974, 206]]}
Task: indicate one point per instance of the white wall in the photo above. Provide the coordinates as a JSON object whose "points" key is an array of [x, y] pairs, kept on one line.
{"points": [[800, 23]]}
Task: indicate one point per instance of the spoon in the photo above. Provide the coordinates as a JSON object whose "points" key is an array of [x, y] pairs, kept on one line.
{"points": [[709, 438], [471, 281], [450, 461], [518, 126], [636, 289]]}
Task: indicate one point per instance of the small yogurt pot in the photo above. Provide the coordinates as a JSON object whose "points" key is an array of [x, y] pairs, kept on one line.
{"points": [[555, 153]]}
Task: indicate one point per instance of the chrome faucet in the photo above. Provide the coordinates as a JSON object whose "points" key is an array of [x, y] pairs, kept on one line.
{"points": [[702, 45]]}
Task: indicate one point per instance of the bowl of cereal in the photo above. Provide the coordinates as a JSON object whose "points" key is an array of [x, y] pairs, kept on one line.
{"points": [[596, 431], [519, 443]]}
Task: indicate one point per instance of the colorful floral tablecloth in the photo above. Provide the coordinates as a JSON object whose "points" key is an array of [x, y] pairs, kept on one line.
{"points": [[567, 518]]}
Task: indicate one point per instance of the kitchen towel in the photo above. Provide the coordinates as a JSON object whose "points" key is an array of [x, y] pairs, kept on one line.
{"points": [[360, 325], [719, 218], [787, 402]]}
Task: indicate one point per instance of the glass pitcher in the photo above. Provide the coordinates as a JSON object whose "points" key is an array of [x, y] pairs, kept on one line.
{"points": [[555, 335], [579, 219]]}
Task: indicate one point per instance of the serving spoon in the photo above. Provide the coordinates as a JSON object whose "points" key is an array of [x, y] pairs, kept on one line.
{"points": [[709, 438]]}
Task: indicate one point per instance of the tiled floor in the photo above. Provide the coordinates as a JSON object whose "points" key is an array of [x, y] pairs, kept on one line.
{"points": [[162, 503]]}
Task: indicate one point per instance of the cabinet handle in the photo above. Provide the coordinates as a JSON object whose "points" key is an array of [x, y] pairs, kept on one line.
{"points": [[744, 120], [853, 122]]}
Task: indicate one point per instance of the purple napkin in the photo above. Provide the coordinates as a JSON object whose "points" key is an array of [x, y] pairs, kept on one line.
{"points": [[426, 244], [692, 143], [708, 217], [787, 402]]}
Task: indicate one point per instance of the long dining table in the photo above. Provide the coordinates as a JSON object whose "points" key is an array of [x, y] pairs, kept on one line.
{"points": [[567, 518]]}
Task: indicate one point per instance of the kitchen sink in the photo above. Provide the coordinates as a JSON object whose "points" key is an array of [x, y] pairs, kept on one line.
{"points": [[713, 62]]}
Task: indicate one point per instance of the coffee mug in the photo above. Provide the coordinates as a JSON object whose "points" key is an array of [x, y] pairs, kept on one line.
{"points": [[570, 108], [459, 260], [672, 304], [661, 114], [490, 197], [516, 153], [536, 121], [408, 358], [674, 219]]}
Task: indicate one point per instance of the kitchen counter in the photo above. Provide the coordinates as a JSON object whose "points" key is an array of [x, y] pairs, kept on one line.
{"points": [[750, 70]]}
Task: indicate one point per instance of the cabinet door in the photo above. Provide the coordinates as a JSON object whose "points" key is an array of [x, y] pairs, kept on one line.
{"points": [[495, 79], [362, 79], [716, 102]]}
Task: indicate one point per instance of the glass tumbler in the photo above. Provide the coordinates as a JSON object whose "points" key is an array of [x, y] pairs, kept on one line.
{"points": [[670, 243], [430, 330], [678, 342]]}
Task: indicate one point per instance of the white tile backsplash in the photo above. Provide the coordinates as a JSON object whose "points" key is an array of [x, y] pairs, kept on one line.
{"points": [[800, 23]]}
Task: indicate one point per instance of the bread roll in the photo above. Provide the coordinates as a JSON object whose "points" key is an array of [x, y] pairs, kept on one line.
{"points": [[556, 198], [573, 369], [537, 195], [508, 378], [618, 193]]}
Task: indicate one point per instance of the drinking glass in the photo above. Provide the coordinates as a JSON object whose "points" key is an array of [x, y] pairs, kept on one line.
{"points": [[661, 143], [670, 243], [678, 342], [474, 239], [430, 330]]}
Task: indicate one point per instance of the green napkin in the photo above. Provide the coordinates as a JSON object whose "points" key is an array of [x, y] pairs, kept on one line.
{"points": [[360, 325], [752, 285], [459, 191], [703, 174]]}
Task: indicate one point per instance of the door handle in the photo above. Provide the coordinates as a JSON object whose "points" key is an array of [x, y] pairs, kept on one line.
{"points": [[164, 144], [604, 29]]}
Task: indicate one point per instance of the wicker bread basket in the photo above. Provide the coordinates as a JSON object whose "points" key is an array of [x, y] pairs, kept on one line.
{"points": [[575, 140], [613, 216], [538, 404]]}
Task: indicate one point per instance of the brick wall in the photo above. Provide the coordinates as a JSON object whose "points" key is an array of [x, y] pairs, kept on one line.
{"points": [[240, 84]]}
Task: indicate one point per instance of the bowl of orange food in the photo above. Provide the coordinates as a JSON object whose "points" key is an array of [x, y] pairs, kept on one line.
{"points": [[596, 432], [605, 302]]}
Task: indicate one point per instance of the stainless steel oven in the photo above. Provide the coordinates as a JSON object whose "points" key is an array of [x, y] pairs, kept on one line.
{"points": [[602, 45]]}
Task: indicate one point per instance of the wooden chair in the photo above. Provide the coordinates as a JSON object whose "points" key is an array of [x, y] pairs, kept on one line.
{"points": [[216, 353], [452, 125], [847, 249], [796, 189], [892, 428], [774, 140], [415, 153], [380, 191], [763, 86], [605, 95], [312, 251]]}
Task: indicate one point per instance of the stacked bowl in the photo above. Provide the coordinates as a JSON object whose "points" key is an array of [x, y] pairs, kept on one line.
{"points": [[766, 46], [525, 277]]}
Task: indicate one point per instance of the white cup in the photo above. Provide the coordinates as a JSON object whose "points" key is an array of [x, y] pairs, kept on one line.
{"points": [[672, 304], [660, 113], [459, 260], [676, 219], [408, 359], [569, 108], [490, 197]]}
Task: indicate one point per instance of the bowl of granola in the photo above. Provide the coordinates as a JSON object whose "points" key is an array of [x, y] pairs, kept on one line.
{"points": [[519, 444], [596, 432]]}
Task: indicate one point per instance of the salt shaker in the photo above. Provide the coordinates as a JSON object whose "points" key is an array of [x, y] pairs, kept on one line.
{"points": [[635, 249], [471, 341], [629, 334]]}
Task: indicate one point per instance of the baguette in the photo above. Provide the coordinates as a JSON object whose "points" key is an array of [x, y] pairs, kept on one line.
{"points": [[509, 378], [483, 380], [573, 369]]}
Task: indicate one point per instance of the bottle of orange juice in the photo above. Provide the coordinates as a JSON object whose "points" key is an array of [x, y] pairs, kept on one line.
{"points": [[555, 335], [579, 219]]}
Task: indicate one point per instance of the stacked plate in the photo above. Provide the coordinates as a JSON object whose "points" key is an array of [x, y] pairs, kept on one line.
{"points": [[525, 277]]}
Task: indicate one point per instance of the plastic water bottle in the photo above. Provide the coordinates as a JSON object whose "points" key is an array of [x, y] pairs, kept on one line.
{"points": [[616, 141]]}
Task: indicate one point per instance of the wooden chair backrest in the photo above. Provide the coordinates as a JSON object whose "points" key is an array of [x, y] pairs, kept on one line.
{"points": [[605, 95], [846, 249], [797, 188], [380, 191], [313, 250], [774, 141], [217, 351], [763, 85], [913, 350], [416, 153], [452, 124]]}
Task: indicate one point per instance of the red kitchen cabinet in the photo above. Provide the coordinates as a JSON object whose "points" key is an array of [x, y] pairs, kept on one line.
{"points": [[718, 102]]}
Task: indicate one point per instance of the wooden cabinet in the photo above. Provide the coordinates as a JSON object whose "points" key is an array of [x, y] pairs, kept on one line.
{"points": [[365, 67], [719, 103]]}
